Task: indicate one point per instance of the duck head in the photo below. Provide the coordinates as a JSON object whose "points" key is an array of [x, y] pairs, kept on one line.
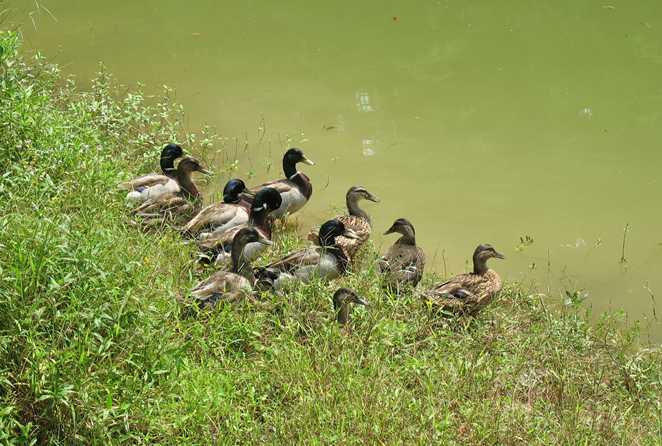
{"points": [[343, 298], [232, 190], [290, 160], [332, 229], [244, 237], [189, 164], [356, 193], [168, 156], [482, 254], [266, 200], [404, 227]]}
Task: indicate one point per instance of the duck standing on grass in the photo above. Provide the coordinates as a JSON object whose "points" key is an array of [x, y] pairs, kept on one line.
{"points": [[404, 262], [468, 293], [236, 283], [265, 202], [217, 218], [181, 202], [296, 188], [326, 260], [343, 298], [357, 220], [152, 185]]}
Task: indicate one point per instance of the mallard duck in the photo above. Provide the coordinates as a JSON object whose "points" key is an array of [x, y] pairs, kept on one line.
{"points": [[219, 217], [178, 183], [357, 220], [234, 284], [169, 154], [343, 298], [404, 262], [469, 292], [182, 200], [265, 202], [295, 188], [325, 260]]}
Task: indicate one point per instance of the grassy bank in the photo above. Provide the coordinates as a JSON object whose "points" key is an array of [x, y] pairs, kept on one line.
{"points": [[94, 348]]}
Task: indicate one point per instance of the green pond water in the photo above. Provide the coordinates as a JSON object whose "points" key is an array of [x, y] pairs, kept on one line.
{"points": [[479, 121]]}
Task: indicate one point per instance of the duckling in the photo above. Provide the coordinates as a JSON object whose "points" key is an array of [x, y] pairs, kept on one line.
{"points": [[295, 188], [169, 154], [342, 300], [469, 292], [219, 217], [325, 260], [234, 284], [182, 200], [404, 262], [265, 202], [357, 220]]}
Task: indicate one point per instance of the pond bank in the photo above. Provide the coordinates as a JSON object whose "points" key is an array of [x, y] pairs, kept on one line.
{"points": [[94, 347]]}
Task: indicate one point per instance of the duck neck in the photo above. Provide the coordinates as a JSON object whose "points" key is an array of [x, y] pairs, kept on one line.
{"points": [[167, 163], [186, 183], [342, 311], [289, 168], [240, 264], [480, 265], [354, 209], [408, 237], [259, 218]]}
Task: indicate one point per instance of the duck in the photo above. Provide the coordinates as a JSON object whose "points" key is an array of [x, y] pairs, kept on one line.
{"points": [[357, 219], [182, 200], [325, 260], [343, 299], [265, 202], [153, 185], [219, 217], [295, 189], [236, 283], [404, 262], [179, 182], [470, 292], [169, 154]]}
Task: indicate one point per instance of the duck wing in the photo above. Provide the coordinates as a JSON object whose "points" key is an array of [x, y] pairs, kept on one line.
{"points": [[298, 259], [216, 215], [221, 285], [142, 182]]}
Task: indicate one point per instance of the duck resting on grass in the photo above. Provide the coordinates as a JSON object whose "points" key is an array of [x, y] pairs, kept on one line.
{"points": [[343, 298], [179, 204], [219, 245], [327, 260], [468, 293], [404, 262], [219, 217], [235, 284], [295, 188], [357, 220], [152, 186], [169, 154]]}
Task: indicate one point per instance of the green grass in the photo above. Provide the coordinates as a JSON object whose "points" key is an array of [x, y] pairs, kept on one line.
{"points": [[94, 348]]}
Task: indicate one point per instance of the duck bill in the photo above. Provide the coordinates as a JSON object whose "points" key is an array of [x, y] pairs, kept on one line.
{"points": [[390, 230], [349, 233], [307, 161], [373, 198], [361, 301], [265, 241], [499, 256], [204, 171]]}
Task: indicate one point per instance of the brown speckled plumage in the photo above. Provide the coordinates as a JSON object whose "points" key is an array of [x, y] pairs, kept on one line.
{"points": [[404, 262], [468, 293], [357, 220]]}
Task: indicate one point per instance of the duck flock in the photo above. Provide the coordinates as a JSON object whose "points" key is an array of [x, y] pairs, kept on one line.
{"points": [[236, 231]]}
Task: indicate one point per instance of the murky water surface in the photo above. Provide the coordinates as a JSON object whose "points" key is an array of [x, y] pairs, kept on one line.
{"points": [[479, 121]]}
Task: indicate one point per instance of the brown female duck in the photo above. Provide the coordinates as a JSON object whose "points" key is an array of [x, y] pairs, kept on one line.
{"points": [[343, 299], [357, 220], [469, 292], [404, 262]]}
